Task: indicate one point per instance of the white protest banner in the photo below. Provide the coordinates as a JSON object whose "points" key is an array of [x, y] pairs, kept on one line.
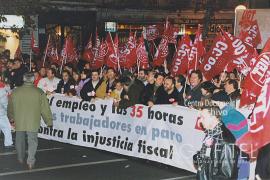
{"points": [[163, 133]]}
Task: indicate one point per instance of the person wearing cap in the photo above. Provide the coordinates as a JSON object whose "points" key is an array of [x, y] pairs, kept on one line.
{"points": [[26, 106]]}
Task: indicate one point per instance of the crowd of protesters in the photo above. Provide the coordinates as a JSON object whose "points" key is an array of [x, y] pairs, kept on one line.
{"points": [[129, 87], [146, 86]]}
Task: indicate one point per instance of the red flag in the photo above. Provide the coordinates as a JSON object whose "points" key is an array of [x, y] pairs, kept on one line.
{"points": [[171, 32], [216, 58], [18, 53], [161, 52], [197, 52], [256, 78], [142, 56], [52, 52], [112, 56], [34, 45], [127, 53], [241, 54], [100, 55], [88, 54], [69, 53], [180, 60], [259, 125], [252, 35], [153, 32]]}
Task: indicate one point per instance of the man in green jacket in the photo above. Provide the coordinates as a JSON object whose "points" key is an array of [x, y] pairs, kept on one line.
{"points": [[26, 107]]}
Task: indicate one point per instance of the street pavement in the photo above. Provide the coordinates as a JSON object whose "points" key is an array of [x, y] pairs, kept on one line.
{"points": [[59, 161]]}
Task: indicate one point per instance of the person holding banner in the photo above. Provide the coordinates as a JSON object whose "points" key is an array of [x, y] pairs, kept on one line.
{"points": [[195, 94], [26, 106], [133, 89], [49, 83], [66, 83], [95, 88], [148, 96], [167, 94], [111, 77]]}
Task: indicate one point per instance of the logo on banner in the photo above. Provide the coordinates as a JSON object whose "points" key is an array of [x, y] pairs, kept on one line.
{"points": [[260, 71]]}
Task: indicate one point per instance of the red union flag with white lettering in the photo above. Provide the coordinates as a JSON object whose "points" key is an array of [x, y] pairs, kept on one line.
{"points": [[162, 52], [259, 124], [197, 52], [127, 53], [251, 35], [180, 60], [153, 32], [112, 58], [171, 32], [69, 52], [142, 55], [256, 78], [88, 53], [52, 52], [240, 53], [100, 55], [216, 58]]}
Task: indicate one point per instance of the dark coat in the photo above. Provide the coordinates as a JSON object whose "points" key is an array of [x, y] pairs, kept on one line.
{"points": [[181, 100], [88, 88], [110, 87], [149, 93], [134, 95], [221, 162], [162, 97], [194, 96], [16, 77], [66, 86], [221, 96]]}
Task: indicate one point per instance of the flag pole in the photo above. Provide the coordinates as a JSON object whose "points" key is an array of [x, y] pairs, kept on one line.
{"points": [[118, 64], [46, 50], [65, 57], [138, 65], [30, 68], [196, 61]]}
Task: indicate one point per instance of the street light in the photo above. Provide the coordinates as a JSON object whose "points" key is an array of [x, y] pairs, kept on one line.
{"points": [[239, 7]]}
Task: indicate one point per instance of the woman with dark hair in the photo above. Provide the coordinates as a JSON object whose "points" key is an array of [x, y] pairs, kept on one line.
{"points": [[76, 76], [85, 77], [207, 89]]}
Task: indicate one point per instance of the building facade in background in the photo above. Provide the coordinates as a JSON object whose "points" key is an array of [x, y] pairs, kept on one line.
{"points": [[81, 18]]}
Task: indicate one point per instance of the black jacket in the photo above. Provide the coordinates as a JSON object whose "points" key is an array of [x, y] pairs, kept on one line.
{"points": [[16, 76], [194, 96], [110, 87], [88, 88], [221, 161], [221, 96], [149, 93], [181, 100], [162, 97], [66, 86], [134, 95]]}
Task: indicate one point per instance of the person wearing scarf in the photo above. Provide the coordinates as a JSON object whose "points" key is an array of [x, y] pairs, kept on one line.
{"points": [[218, 156]]}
